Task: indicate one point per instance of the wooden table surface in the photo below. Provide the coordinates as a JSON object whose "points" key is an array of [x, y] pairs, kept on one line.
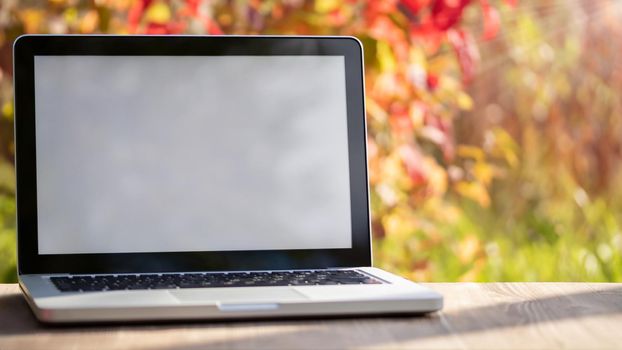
{"points": [[476, 316]]}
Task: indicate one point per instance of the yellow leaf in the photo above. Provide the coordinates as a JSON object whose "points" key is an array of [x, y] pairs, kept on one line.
{"points": [[437, 176], [474, 152], [70, 15], [385, 56], [474, 191], [483, 172], [464, 101], [417, 56], [440, 63], [376, 111], [158, 12], [7, 110], [506, 146], [448, 83], [392, 171], [7, 177], [417, 114], [323, 6], [399, 223], [469, 248], [32, 20], [89, 22]]}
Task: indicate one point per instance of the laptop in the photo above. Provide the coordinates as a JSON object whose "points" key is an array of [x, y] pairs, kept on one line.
{"points": [[193, 177]]}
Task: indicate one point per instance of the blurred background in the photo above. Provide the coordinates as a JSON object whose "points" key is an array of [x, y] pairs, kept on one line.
{"points": [[495, 127]]}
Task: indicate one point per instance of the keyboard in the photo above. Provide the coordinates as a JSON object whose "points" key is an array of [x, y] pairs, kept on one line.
{"points": [[210, 280]]}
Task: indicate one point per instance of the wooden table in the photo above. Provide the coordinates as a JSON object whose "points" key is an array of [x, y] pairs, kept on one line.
{"points": [[477, 316]]}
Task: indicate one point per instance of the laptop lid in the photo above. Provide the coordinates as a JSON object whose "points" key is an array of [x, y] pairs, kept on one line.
{"points": [[188, 153]]}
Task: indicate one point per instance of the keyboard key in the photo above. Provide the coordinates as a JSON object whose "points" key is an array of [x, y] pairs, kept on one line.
{"points": [[207, 280]]}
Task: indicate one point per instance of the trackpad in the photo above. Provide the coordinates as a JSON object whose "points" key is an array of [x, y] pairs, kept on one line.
{"points": [[238, 295]]}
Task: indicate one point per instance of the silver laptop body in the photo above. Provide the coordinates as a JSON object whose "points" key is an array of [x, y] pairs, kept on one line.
{"points": [[176, 160]]}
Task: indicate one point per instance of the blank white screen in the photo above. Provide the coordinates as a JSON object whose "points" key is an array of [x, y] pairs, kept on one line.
{"points": [[188, 153]]}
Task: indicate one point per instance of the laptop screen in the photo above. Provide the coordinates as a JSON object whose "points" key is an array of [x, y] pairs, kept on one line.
{"points": [[191, 153]]}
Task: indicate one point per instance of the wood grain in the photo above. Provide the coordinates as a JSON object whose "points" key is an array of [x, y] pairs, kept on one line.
{"points": [[476, 316]]}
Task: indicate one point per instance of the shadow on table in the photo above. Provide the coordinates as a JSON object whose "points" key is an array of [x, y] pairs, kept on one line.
{"points": [[16, 318]]}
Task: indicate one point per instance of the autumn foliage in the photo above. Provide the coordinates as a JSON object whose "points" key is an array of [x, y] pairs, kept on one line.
{"points": [[438, 173]]}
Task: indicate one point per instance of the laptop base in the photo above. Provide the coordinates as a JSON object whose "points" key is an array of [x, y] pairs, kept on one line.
{"points": [[397, 296]]}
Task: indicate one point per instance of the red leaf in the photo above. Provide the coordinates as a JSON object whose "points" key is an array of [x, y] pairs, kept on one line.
{"points": [[414, 5], [446, 13], [427, 33], [432, 81], [466, 51], [337, 18], [448, 147], [177, 27], [383, 28], [512, 3], [492, 21], [156, 28], [212, 28], [445, 127], [193, 7], [401, 124], [165, 28], [135, 13], [377, 8], [413, 162]]}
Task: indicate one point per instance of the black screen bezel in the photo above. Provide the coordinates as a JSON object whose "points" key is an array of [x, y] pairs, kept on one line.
{"points": [[31, 262]]}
